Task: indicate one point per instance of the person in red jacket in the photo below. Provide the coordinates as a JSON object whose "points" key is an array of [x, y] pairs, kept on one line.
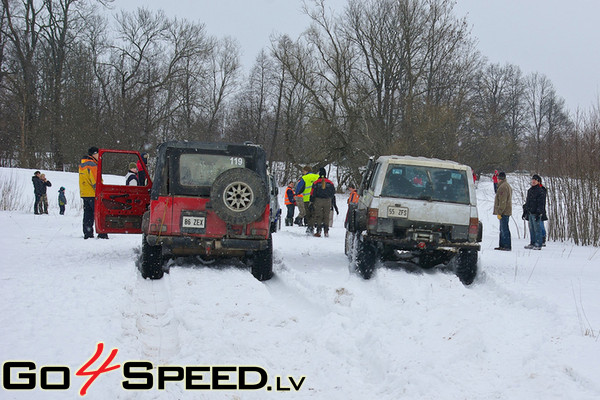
{"points": [[290, 203], [495, 180]]}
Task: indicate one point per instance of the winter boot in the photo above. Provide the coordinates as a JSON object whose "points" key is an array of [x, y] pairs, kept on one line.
{"points": [[298, 221]]}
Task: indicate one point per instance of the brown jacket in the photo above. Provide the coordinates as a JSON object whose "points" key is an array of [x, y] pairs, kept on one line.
{"points": [[503, 199]]}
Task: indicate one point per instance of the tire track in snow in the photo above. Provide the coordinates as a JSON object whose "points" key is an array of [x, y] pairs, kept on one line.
{"points": [[152, 320]]}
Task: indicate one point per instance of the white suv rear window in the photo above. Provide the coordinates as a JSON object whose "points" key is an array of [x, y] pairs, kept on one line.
{"points": [[426, 183]]}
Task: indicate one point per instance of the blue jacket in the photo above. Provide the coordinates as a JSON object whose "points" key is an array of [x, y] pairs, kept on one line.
{"points": [[62, 199]]}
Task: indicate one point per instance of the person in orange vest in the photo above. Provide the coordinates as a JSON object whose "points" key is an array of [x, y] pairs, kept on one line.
{"points": [[353, 198], [290, 203], [352, 202]]}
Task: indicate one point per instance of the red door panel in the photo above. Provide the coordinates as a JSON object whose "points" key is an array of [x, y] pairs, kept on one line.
{"points": [[119, 208]]}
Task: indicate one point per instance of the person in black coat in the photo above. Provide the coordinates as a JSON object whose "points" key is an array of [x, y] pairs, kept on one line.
{"points": [[37, 191], [321, 197], [533, 211]]}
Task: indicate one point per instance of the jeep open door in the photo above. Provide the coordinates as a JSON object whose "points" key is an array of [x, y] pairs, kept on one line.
{"points": [[119, 208]]}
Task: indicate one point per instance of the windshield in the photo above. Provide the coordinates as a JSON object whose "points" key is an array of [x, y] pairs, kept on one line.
{"points": [[426, 183], [203, 169]]}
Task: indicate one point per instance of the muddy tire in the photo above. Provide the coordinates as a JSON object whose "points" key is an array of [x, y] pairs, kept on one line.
{"points": [[239, 196], [349, 244], [366, 257], [262, 265], [151, 262], [466, 266]]}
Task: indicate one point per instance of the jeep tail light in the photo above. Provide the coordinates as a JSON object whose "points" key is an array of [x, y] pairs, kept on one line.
{"points": [[260, 232], [372, 218], [473, 226], [154, 228]]}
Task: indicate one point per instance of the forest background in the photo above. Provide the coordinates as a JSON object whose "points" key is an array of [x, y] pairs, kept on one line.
{"points": [[382, 77]]}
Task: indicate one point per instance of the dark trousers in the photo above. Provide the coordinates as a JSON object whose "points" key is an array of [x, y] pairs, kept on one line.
{"points": [[322, 208], [36, 204], [543, 230], [309, 214], [290, 211], [62, 209], [88, 217], [505, 240], [535, 231]]}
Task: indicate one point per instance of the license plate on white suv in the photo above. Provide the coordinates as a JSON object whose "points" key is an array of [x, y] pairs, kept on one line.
{"points": [[193, 222], [397, 212]]}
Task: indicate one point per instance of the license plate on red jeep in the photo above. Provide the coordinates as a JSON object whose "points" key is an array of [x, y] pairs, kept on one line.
{"points": [[193, 223]]}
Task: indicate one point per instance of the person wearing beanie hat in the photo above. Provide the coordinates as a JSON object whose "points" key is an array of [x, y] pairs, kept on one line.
{"points": [[131, 179], [62, 200], [503, 209], [533, 210], [322, 196], [88, 168]]}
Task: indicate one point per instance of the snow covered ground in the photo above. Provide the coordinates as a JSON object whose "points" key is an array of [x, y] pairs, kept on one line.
{"points": [[527, 328]]}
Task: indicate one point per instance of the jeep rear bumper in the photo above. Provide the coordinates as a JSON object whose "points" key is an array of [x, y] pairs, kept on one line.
{"points": [[188, 245], [409, 244]]}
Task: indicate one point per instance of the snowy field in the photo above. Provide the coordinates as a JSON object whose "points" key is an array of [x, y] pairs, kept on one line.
{"points": [[526, 329]]}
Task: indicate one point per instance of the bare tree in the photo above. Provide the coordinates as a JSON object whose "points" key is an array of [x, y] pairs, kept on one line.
{"points": [[497, 119], [224, 68], [22, 29], [539, 94]]}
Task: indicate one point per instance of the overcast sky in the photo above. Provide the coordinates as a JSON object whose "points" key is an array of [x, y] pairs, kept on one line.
{"points": [[558, 38]]}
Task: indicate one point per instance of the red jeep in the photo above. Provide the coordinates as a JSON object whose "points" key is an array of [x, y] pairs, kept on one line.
{"points": [[208, 199]]}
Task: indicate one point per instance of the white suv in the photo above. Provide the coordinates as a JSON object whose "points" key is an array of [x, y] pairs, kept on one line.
{"points": [[415, 209]]}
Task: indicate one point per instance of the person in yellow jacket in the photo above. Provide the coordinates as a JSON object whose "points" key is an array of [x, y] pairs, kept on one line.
{"points": [[87, 191], [304, 188]]}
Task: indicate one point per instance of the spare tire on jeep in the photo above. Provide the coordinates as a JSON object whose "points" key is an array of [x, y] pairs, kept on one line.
{"points": [[239, 196]]}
